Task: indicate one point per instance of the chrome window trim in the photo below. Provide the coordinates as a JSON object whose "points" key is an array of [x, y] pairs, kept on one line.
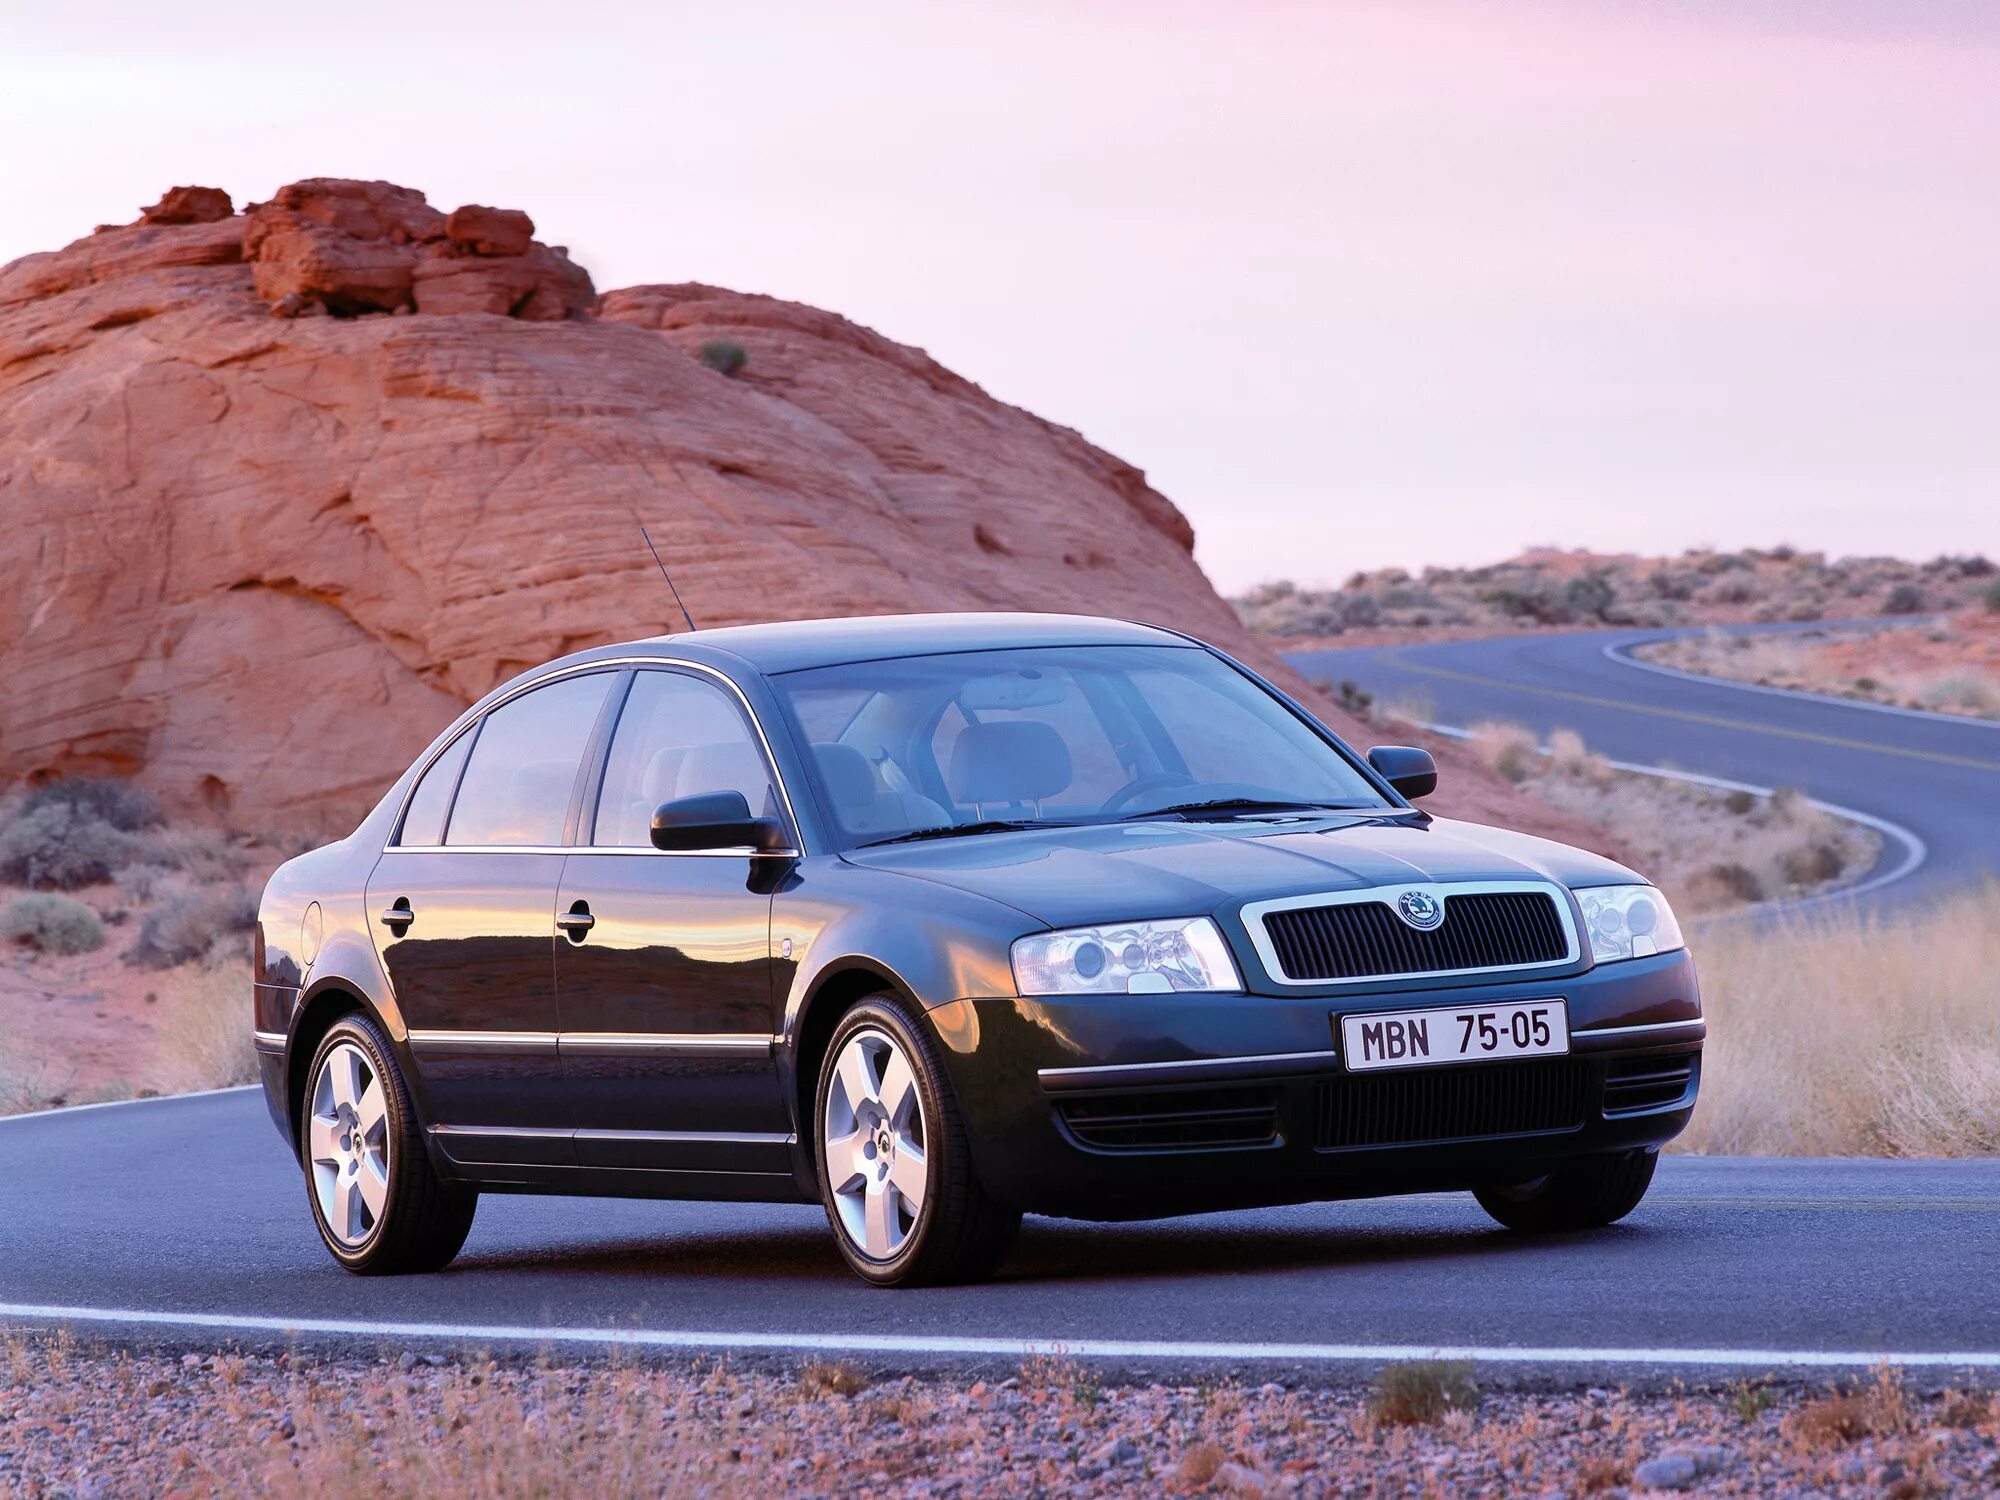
{"points": [[619, 663], [1694, 1023], [734, 851], [1045, 1074], [524, 1132], [677, 1044], [1254, 912]]}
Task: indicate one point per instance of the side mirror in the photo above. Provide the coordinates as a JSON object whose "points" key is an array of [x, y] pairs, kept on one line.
{"points": [[714, 820], [1409, 770]]}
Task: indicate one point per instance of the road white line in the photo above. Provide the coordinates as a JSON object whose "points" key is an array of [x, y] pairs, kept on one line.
{"points": [[1621, 654], [1913, 850], [77, 1109], [1008, 1348]]}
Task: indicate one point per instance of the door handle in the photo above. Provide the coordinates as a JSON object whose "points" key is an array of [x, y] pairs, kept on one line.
{"points": [[577, 921], [398, 917]]}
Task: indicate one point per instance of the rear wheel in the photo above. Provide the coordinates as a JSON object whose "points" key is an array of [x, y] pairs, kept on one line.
{"points": [[895, 1172], [1587, 1194], [379, 1206]]}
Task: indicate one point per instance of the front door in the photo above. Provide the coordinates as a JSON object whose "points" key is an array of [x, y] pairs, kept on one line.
{"points": [[464, 904], [669, 1015]]}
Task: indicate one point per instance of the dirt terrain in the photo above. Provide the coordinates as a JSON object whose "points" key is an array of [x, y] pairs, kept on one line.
{"points": [[409, 1425], [1951, 666]]}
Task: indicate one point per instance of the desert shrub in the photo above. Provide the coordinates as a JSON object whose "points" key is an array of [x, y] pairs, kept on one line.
{"points": [[1421, 1391], [1961, 693], [1978, 565], [1739, 802], [1733, 588], [832, 1378], [1724, 884], [1815, 864], [60, 846], [1509, 749], [1903, 599], [138, 883], [723, 356], [1361, 611], [125, 807], [1881, 1410], [1990, 595], [1673, 583], [204, 855], [1589, 595], [51, 924], [1569, 756], [186, 925]]}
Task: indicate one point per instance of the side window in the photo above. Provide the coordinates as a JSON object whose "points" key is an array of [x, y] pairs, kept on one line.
{"points": [[678, 736], [517, 785], [423, 819]]}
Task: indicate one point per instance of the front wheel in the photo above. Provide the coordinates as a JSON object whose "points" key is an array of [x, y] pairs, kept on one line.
{"points": [[895, 1172], [379, 1206], [1586, 1194]]}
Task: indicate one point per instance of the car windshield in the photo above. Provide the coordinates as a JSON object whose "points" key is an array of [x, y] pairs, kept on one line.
{"points": [[931, 746]]}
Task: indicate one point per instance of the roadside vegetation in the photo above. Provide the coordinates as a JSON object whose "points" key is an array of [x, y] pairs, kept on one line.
{"points": [[83, 1422], [1711, 850], [1950, 667], [1550, 589], [123, 940], [1837, 1034]]}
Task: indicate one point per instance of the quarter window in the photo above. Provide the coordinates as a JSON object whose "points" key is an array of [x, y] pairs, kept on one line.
{"points": [[423, 820], [678, 736], [517, 785]]}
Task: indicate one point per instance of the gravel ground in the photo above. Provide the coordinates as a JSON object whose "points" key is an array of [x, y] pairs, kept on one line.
{"points": [[76, 1422]]}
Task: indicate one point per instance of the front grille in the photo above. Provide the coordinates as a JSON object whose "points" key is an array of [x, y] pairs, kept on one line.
{"points": [[1453, 1104], [1641, 1083], [1184, 1120], [1366, 939]]}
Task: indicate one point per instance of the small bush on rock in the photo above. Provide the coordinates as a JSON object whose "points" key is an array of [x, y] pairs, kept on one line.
{"points": [[723, 356], [60, 846], [51, 924]]}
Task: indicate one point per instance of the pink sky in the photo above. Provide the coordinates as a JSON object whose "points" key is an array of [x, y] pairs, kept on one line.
{"points": [[1356, 283]]}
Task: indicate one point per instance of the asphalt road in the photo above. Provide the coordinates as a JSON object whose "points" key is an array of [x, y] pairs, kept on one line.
{"points": [[1936, 777], [184, 1222], [190, 1211]]}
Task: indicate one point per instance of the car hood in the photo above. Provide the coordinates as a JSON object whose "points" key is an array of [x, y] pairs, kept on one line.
{"points": [[1127, 871]]}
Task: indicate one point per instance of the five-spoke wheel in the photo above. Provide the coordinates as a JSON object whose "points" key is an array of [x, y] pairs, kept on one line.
{"points": [[895, 1172], [379, 1204]]}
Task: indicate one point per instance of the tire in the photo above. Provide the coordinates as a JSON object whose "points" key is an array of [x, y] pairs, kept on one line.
{"points": [[1587, 1194], [955, 1233], [365, 1164]]}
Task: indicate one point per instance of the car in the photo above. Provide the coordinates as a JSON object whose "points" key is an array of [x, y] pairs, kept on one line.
{"points": [[937, 920]]}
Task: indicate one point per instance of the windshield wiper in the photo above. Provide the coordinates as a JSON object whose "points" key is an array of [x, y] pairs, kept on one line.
{"points": [[1262, 804], [953, 830]]}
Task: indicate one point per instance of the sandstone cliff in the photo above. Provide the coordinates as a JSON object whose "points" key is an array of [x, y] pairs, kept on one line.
{"points": [[288, 487]]}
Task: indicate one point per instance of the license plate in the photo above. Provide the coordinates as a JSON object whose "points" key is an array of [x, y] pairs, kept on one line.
{"points": [[1454, 1034]]}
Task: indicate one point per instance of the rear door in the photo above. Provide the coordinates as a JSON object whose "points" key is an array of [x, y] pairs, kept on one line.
{"points": [[669, 1013], [465, 905]]}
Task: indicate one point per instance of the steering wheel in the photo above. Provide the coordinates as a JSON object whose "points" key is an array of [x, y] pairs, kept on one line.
{"points": [[1151, 781]]}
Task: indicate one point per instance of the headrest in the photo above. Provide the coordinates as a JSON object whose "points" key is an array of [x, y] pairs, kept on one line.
{"points": [[849, 779], [1019, 761], [731, 766], [662, 775]]}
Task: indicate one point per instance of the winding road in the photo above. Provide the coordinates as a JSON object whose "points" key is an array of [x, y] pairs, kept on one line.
{"points": [[182, 1222]]}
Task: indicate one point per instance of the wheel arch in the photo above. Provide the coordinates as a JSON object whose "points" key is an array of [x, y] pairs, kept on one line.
{"points": [[834, 991], [325, 1004]]}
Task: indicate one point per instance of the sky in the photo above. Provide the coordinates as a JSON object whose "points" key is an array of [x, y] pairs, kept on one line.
{"points": [[1357, 284]]}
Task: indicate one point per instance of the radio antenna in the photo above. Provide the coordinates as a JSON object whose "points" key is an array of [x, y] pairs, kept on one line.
{"points": [[669, 577]]}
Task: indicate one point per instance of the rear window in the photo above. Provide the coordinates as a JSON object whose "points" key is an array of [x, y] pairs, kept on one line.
{"points": [[517, 785]]}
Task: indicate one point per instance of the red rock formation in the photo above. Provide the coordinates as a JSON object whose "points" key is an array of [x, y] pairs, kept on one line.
{"points": [[259, 563]]}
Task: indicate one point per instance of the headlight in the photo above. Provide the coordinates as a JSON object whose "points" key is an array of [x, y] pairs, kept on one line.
{"points": [[1126, 958], [1628, 921]]}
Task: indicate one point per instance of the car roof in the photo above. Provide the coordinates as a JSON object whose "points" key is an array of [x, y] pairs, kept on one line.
{"points": [[792, 645]]}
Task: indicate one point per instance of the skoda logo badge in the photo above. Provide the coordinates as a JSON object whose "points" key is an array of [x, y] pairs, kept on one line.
{"points": [[1420, 909]]}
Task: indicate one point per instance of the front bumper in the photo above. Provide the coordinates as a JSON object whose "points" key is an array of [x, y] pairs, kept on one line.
{"points": [[1114, 1107]]}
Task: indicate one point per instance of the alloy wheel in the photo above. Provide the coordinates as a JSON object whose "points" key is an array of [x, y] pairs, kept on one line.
{"points": [[348, 1143], [874, 1140]]}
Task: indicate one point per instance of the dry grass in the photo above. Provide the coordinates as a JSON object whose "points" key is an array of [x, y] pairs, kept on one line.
{"points": [[1421, 1391], [1837, 1034], [1710, 850], [1880, 1409], [204, 1029]]}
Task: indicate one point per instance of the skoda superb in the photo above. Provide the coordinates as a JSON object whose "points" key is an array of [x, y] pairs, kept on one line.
{"points": [[940, 920]]}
